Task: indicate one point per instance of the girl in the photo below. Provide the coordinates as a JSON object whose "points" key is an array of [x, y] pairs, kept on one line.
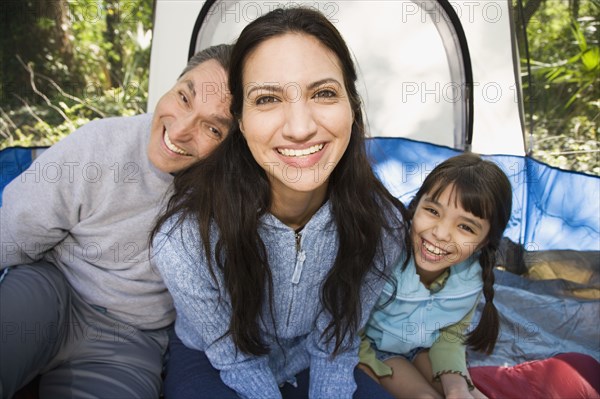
{"points": [[275, 248], [458, 217]]}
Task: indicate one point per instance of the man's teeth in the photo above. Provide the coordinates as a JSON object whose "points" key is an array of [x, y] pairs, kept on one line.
{"points": [[433, 249], [172, 146], [300, 153]]}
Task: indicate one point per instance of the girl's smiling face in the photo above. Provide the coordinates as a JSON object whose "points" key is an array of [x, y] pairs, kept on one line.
{"points": [[444, 234], [296, 116]]}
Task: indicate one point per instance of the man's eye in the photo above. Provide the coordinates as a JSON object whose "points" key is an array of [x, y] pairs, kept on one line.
{"points": [[216, 132], [183, 97]]}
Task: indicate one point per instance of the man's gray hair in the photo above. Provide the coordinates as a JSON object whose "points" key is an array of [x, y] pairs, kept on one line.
{"points": [[220, 53]]}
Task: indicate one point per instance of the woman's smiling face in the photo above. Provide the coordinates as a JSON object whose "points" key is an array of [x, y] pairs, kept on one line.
{"points": [[296, 116]]}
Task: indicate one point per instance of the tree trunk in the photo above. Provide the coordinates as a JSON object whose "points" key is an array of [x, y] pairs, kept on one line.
{"points": [[522, 18], [115, 55], [530, 9], [37, 32], [575, 4]]}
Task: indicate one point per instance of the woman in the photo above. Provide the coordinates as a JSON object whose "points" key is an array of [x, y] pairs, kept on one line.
{"points": [[276, 247]]}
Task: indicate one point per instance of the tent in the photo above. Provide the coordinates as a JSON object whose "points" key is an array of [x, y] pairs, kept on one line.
{"points": [[441, 72], [414, 60], [438, 77]]}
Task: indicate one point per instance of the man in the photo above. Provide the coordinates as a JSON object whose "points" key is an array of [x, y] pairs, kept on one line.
{"points": [[82, 304]]}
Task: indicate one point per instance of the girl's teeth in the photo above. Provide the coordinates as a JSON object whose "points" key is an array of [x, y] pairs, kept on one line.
{"points": [[300, 153], [172, 146], [433, 249]]}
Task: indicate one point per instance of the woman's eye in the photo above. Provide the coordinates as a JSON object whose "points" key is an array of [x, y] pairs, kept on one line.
{"points": [[325, 93], [266, 100]]}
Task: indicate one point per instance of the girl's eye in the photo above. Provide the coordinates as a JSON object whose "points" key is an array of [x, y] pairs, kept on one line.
{"points": [[266, 100], [467, 228], [432, 211]]}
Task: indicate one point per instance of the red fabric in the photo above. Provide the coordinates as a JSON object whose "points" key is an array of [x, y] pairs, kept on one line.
{"points": [[568, 375]]}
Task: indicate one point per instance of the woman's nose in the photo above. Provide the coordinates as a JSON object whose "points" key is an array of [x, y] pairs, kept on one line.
{"points": [[300, 124]]}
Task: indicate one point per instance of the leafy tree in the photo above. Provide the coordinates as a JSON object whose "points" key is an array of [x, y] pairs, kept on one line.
{"points": [[39, 32], [83, 59], [562, 90], [78, 60]]}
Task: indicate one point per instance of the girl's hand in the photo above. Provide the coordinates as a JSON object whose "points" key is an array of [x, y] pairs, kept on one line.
{"points": [[477, 394], [455, 387], [465, 394], [458, 393]]}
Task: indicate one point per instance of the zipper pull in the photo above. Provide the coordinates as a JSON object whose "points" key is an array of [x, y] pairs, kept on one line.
{"points": [[298, 268], [298, 236], [430, 303]]}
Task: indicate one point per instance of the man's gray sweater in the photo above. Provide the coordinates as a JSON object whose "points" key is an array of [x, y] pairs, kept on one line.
{"points": [[87, 205]]}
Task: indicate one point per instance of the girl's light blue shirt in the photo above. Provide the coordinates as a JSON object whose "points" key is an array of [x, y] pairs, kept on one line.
{"points": [[414, 315]]}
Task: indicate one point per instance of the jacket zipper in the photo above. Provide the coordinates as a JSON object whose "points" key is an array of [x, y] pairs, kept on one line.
{"points": [[300, 257]]}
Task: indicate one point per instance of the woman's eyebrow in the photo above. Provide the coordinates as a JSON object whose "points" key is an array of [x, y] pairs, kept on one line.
{"points": [[322, 82], [268, 88], [277, 88]]}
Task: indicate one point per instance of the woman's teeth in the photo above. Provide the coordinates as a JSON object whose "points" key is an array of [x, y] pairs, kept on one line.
{"points": [[300, 153], [172, 146]]}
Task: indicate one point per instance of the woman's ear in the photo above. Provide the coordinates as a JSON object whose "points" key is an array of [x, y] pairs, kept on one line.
{"points": [[241, 125]]}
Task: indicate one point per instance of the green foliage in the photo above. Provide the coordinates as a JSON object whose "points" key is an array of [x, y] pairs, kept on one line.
{"points": [[565, 61], [106, 73], [94, 89], [131, 45]]}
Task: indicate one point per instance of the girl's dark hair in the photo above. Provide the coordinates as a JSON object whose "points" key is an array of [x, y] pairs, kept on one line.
{"points": [[484, 190], [231, 190]]}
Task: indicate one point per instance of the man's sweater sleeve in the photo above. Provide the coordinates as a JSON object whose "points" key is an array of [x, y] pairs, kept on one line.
{"points": [[40, 206], [203, 312]]}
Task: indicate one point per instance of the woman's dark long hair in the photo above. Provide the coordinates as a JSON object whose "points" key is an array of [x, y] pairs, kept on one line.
{"points": [[484, 190], [232, 191]]}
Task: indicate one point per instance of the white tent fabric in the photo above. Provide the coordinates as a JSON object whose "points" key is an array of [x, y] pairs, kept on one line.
{"points": [[407, 55]]}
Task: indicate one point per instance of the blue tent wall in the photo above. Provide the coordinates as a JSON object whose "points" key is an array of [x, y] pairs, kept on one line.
{"points": [[13, 161], [562, 209], [552, 208]]}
